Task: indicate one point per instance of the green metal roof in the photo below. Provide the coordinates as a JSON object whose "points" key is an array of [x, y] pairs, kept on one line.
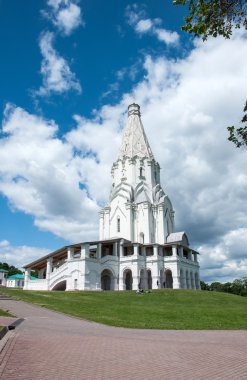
{"points": [[18, 276]]}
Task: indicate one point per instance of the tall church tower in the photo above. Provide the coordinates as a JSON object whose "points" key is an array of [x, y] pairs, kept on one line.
{"points": [[139, 210]]}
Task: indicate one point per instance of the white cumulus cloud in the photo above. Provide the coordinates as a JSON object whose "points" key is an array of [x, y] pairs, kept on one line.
{"points": [[137, 18], [65, 15], [17, 255], [56, 74], [39, 175]]}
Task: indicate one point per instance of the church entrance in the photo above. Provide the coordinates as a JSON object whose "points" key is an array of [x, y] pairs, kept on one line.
{"points": [[106, 277], [128, 279]]}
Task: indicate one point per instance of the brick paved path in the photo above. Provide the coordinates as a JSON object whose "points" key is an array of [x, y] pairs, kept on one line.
{"points": [[52, 346]]}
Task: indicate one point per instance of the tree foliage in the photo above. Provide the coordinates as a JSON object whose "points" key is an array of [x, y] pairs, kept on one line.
{"points": [[238, 287], [218, 18], [214, 17], [10, 268], [239, 136]]}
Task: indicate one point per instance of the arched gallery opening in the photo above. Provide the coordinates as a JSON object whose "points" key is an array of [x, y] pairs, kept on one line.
{"points": [[60, 286], [142, 279], [182, 279], [106, 279], [149, 278], [128, 279], [169, 279]]}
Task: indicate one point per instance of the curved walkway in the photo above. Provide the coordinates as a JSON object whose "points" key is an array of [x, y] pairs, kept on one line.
{"points": [[53, 346]]}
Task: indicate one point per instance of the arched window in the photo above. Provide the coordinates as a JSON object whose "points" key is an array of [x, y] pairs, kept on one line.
{"points": [[118, 224]]}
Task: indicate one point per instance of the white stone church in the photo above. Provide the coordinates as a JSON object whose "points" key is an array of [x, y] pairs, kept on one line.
{"points": [[138, 247]]}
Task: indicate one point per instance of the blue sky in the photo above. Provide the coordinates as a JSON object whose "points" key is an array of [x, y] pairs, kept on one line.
{"points": [[68, 71]]}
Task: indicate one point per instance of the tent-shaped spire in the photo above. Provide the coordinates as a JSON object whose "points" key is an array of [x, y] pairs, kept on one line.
{"points": [[135, 142]]}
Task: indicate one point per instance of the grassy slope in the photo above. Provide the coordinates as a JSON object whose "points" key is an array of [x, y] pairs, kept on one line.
{"points": [[4, 313], [161, 309]]}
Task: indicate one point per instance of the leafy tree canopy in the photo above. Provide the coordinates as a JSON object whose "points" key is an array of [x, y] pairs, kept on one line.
{"points": [[10, 268], [239, 136], [238, 287], [218, 18], [214, 17]]}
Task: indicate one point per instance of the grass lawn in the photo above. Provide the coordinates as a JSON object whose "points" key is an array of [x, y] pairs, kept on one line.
{"points": [[160, 309], [5, 314]]}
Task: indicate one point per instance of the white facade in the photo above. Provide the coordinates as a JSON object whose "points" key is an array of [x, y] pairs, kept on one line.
{"points": [[3, 277], [15, 283], [139, 210], [137, 247]]}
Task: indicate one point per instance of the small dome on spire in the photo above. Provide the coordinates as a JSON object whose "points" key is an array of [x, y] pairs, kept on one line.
{"points": [[134, 109]]}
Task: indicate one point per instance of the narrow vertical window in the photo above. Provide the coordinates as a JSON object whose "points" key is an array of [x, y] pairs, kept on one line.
{"points": [[118, 224], [141, 171], [142, 238]]}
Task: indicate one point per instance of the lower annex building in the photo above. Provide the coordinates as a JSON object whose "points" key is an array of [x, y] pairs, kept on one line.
{"points": [[138, 247]]}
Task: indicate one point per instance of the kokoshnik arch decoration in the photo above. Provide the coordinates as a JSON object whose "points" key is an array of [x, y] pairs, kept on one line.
{"points": [[138, 247]]}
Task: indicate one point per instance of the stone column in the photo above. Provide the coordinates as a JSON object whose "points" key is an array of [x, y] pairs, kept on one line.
{"points": [[70, 253], [41, 273], [181, 251], [155, 269], [136, 251], [121, 249], [174, 251], [190, 255], [114, 283], [135, 283], [48, 271], [144, 284], [195, 257], [26, 278], [121, 285], [176, 277], [155, 251], [85, 251], [176, 282], [135, 274], [115, 248], [48, 268], [99, 249]]}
